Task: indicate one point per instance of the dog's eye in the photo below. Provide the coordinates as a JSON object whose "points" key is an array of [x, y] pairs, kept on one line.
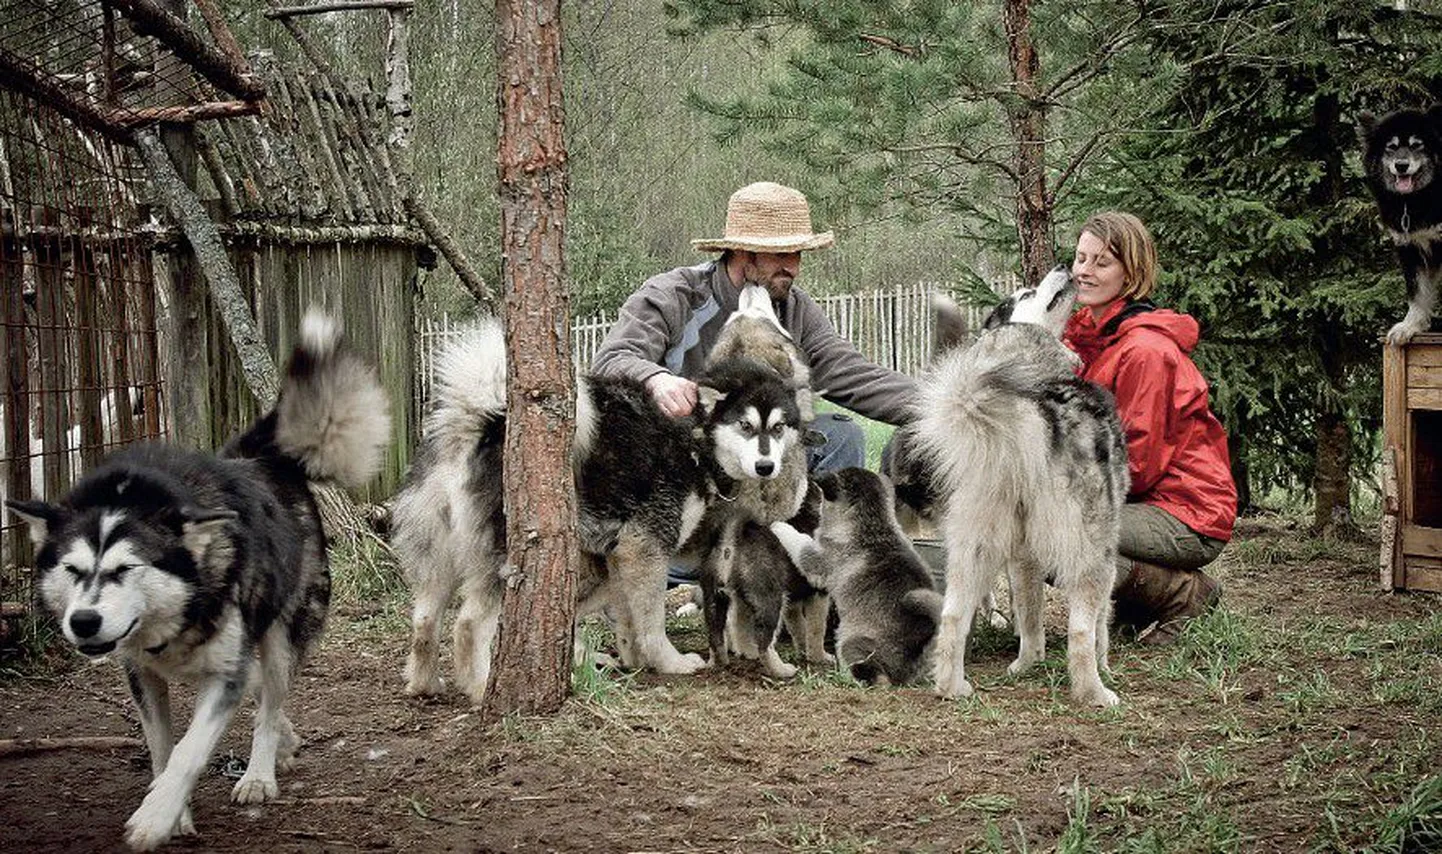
{"points": [[778, 430], [746, 428], [119, 571], [75, 572]]}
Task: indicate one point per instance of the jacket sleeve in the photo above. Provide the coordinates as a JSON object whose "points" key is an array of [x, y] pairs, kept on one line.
{"points": [[649, 324], [844, 376], [1146, 387]]}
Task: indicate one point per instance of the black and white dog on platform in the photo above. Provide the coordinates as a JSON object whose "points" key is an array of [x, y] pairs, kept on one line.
{"points": [[212, 569], [1032, 469], [1400, 156], [644, 482]]}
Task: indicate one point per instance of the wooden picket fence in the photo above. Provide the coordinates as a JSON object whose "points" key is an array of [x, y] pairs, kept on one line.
{"points": [[892, 327]]}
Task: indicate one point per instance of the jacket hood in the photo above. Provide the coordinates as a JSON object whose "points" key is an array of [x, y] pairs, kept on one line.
{"points": [[1089, 336]]}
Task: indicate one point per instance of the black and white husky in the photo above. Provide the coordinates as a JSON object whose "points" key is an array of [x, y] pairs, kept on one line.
{"points": [[1400, 157], [194, 567], [1032, 469], [644, 482]]}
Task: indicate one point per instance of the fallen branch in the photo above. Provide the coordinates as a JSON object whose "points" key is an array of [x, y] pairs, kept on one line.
{"points": [[26, 746], [453, 254], [336, 6]]}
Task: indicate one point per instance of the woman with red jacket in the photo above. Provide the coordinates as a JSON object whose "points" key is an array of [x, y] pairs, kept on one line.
{"points": [[1183, 501]]}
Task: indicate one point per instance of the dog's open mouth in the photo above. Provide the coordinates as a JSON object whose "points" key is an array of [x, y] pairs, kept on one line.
{"points": [[1406, 183], [95, 650]]}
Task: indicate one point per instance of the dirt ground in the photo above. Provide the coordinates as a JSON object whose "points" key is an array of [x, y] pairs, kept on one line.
{"points": [[1299, 746]]}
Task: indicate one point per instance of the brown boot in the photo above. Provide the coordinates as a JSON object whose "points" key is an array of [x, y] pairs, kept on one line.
{"points": [[1160, 600]]}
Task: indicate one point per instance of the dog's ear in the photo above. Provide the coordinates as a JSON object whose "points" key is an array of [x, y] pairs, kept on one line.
{"points": [[948, 323], [926, 603], [1366, 123], [40, 517], [829, 484], [709, 397]]}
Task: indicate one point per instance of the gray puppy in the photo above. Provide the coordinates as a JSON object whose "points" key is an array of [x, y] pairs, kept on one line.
{"points": [[885, 600]]}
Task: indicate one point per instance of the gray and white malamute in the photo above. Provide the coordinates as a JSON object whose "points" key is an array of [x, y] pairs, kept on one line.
{"points": [[887, 606], [1400, 157], [192, 567], [644, 482], [1032, 471]]}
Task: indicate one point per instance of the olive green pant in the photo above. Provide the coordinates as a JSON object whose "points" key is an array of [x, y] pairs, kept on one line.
{"points": [[1155, 536]]}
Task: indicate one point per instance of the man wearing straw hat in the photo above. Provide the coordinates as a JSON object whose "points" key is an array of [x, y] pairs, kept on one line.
{"points": [[667, 328]]}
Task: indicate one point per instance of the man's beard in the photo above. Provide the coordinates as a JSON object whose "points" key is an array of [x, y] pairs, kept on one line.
{"points": [[778, 288]]}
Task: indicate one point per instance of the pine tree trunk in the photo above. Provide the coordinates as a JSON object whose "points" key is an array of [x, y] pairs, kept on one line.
{"points": [[531, 672], [1026, 117], [1332, 475]]}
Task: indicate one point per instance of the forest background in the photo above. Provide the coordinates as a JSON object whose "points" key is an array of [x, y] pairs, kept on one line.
{"points": [[964, 144]]}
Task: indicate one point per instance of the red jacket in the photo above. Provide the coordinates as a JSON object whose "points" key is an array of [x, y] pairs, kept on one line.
{"points": [[1176, 447]]}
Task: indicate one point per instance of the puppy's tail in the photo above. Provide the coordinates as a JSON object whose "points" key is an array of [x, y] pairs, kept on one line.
{"points": [[332, 414]]}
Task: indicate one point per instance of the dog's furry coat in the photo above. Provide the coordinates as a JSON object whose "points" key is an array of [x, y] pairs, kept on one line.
{"points": [[1033, 469], [192, 566]]}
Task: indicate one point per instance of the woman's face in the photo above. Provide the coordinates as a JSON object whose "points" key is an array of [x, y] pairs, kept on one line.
{"points": [[1097, 272]]}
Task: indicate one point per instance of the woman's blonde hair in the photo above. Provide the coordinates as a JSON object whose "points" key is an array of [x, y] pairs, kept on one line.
{"points": [[1131, 244]]}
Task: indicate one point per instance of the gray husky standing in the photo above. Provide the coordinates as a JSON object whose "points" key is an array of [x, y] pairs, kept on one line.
{"points": [[1032, 469], [194, 567]]}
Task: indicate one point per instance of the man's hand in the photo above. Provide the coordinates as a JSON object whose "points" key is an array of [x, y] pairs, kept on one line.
{"points": [[676, 396]]}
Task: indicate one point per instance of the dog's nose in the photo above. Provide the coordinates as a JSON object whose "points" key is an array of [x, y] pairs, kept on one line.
{"points": [[1402, 167], [85, 623], [764, 468]]}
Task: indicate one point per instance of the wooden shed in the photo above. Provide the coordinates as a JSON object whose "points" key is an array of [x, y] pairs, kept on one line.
{"points": [[311, 212], [1412, 459]]}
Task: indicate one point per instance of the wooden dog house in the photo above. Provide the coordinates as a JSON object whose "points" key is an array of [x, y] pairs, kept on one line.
{"points": [[1412, 464]]}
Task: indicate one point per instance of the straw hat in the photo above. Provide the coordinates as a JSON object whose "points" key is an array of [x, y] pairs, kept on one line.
{"points": [[766, 217]]}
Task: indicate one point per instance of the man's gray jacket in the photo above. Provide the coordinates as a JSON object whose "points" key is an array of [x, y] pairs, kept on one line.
{"points": [[672, 321]]}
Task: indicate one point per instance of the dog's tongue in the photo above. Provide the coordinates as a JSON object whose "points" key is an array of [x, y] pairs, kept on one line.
{"points": [[1404, 183]]}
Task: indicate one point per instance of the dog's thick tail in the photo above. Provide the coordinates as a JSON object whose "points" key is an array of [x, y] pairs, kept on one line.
{"points": [[332, 414], [468, 391]]}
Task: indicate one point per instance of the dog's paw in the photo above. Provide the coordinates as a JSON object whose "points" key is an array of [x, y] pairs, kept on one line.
{"points": [[431, 687], [186, 825], [254, 790], [958, 689], [1100, 696], [776, 668], [1405, 331], [1022, 664], [154, 822], [681, 664]]}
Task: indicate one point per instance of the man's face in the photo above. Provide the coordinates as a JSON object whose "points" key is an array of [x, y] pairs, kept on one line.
{"points": [[773, 271]]}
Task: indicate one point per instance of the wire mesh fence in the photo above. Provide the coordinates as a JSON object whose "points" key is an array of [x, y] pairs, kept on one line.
{"points": [[79, 374]]}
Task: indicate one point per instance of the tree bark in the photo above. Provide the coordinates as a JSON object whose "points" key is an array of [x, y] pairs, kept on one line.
{"points": [[1331, 478], [533, 657], [1026, 117]]}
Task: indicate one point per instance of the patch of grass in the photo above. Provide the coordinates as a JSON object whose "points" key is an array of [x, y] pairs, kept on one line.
{"points": [[600, 686], [1213, 649], [814, 838], [364, 571], [1413, 825], [1077, 838]]}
